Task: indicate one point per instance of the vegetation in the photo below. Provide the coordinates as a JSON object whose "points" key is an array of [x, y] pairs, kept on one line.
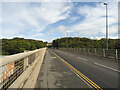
{"points": [[18, 45], [85, 43]]}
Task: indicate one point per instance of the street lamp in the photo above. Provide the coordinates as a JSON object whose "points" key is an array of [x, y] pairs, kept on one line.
{"points": [[106, 27]]}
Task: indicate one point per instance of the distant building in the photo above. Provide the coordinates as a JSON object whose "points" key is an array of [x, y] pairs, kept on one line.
{"points": [[49, 44], [6, 71]]}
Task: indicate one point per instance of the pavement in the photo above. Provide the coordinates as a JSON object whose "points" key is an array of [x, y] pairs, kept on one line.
{"points": [[54, 73]]}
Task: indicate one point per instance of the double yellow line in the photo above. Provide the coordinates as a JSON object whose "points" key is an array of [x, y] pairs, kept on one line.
{"points": [[79, 73]]}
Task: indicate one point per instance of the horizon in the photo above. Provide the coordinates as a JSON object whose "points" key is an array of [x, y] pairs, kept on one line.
{"points": [[56, 38]]}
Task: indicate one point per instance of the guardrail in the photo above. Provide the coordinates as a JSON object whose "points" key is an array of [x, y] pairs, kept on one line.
{"points": [[13, 66], [110, 53]]}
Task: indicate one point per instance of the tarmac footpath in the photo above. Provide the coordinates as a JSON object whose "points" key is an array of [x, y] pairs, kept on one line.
{"points": [[56, 74]]}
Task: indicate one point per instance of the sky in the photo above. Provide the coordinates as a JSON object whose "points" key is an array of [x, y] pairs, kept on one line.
{"points": [[47, 21]]}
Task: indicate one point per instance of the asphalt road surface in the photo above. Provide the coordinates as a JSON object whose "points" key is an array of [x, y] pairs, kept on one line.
{"points": [[102, 71], [54, 73]]}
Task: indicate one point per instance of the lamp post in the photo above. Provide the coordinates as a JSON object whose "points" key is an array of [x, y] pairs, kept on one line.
{"points": [[106, 27]]}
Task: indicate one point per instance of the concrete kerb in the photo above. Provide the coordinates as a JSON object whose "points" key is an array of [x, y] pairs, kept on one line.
{"points": [[28, 78]]}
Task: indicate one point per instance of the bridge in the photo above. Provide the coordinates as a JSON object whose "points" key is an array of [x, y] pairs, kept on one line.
{"points": [[61, 68]]}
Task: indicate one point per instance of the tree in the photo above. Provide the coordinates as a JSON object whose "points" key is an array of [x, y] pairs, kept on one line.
{"points": [[85, 43], [18, 45]]}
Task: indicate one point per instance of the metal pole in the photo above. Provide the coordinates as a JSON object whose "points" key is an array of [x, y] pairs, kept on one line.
{"points": [[106, 29]]}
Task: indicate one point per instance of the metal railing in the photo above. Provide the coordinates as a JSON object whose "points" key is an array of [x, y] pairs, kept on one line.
{"points": [[13, 66], [110, 53]]}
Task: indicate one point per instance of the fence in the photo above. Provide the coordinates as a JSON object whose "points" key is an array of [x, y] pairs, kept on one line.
{"points": [[110, 53], [13, 66]]}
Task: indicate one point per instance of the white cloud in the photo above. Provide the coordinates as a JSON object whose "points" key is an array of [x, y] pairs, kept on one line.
{"points": [[111, 30], [113, 37], [59, 0], [20, 19], [0, 19], [94, 22], [53, 12], [98, 38], [63, 30], [110, 37], [36, 0], [26, 17], [74, 19]]}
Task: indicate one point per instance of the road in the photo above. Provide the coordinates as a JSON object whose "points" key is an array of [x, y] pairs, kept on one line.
{"points": [[54, 73], [103, 72]]}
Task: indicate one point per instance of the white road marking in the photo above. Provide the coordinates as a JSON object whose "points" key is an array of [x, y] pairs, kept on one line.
{"points": [[81, 78], [107, 67], [52, 57], [82, 58]]}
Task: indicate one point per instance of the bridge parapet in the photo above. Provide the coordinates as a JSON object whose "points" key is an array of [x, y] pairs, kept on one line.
{"points": [[110, 53], [16, 69]]}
